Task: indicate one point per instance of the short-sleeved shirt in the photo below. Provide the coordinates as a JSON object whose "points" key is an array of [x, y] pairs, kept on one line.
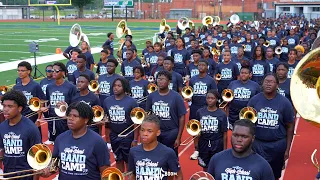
{"points": [[284, 89], [71, 67], [77, 73], [81, 158], [228, 72], [127, 69], [151, 164], [44, 83], [169, 108], [90, 99], [105, 85], [224, 165], [16, 141], [200, 88], [176, 81], [273, 115], [259, 69], [291, 68]]}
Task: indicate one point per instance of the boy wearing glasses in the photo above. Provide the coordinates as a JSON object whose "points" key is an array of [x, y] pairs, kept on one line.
{"points": [[28, 87], [48, 80]]}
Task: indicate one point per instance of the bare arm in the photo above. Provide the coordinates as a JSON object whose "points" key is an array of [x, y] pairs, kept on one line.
{"points": [[225, 140], [290, 132], [181, 127], [1, 157]]}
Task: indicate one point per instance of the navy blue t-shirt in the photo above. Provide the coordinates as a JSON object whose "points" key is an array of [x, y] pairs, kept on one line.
{"points": [[105, 85], [71, 67], [90, 59], [151, 164], [32, 89], [102, 68], [284, 55], [139, 89], [292, 41], [291, 69], [180, 57], [90, 99], [192, 70], [44, 83], [16, 141], [77, 73], [273, 64], [118, 112], [284, 89], [200, 88], [213, 123], [169, 108], [242, 94], [176, 82], [81, 158], [127, 69], [273, 115], [228, 72], [259, 69], [225, 166], [110, 44]]}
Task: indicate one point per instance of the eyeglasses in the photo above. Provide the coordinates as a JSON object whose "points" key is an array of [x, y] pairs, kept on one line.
{"points": [[56, 70], [49, 70]]}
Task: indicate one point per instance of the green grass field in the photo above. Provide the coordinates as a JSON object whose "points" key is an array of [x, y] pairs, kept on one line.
{"points": [[15, 38]]}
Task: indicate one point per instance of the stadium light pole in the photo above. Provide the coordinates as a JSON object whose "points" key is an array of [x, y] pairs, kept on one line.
{"points": [[220, 13], [242, 8]]}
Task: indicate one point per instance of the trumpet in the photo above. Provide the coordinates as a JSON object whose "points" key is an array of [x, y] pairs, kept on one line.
{"points": [[193, 128], [227, 96], [218, 77], [219, 43], [266, 44], [278, 50], [98, 113], [112, 173], [137, 116], [93, 86], [187, 92], [248, 113], [39, 157]]}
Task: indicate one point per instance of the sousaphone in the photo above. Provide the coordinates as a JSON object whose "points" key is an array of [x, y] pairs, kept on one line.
{"points": [[235, 19], [122, 28], [207, 20], [75, 35], [183, 23]]}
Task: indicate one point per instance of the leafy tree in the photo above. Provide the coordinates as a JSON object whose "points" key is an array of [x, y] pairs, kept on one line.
{"points": [[80, 4]]}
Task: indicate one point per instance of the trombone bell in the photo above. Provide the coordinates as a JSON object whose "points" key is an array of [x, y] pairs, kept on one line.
{"points": [[93, 86], [112, 173], [137, 115], [152, 88], [61, 109], [187, 92], [278, 50], [39, 156], [218, 77], [3, 89], [193, 128], [248, 113], [34, 104], [98, 113]]}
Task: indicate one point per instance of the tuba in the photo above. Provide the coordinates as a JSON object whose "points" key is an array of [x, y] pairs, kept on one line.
{"points": [[187, 92], [183, 23], [93, 86], [207, 20], [112, 173], [164, 28], [191, 23], [193, 128], [235, 19], [75, 35], [227, 96], [122, 29], [137, 116], [248, 113]]}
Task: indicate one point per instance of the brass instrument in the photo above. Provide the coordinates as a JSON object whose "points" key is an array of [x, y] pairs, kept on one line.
{"points": [[152, 88], [75, 35], [244, 47], [98, 113], [218, 77], [38, 157], [183, 23], [122, 29], [137, 116], [207, 20], [143, 61], [219, 43], [191, 23], [34, 105], [248, 113], [185, 79], [314, 160], [201, 175], [227, 96], [216, 20], [266, 44], [234, 19], [193, 128], [4, 89], [187, 92], [112, 173], [119, 52], [164, 28], [150, 79], [214, 51], [93, 86], [278, 50], [60, 110]]}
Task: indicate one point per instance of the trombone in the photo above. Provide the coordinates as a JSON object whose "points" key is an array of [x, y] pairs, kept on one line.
{"points": [[4, 89], [34, 105], [93, 86], [219, 43], [60, 110], [112, 173], [39, 157], [193, 128], [266, 44], [187, 92], [151, 88], [218, 77], [248, 113], [227, 96], [137, 116], [278, 50], [98, 113]]}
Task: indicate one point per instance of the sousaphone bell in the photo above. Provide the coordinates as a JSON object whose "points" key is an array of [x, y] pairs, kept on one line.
{"points": [[75, 35], [207, 20], [248, 113], [193, 128], [278, 50], [227, 96], [183, 23], [122, 29], [235, 19], [137, 115]]}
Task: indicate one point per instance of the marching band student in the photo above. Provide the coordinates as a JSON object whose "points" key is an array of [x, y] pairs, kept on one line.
{"points": [[284, 82], [240, 162], [243, 89], [81, 69], [285, 51], [128, 64], [89, 58], [145, 51], [44, 82], [105, 81], [102, 65], [181, 57], [214, 127], [192, 68], [169, 106], [84, 95], [72, 63], [159, 67], [139, 85], [274, 126], [118, 108], [292, 38], [271, 59], [151, 154], [56, 92], [68, 51], [18, 134], [176, 83], [292, 62], [200, 84], [153, 57], [109, 42], [259, 65], [82, 153], [212, 63], [239, 58], [228, 71], [28, 87], [250, 45]]}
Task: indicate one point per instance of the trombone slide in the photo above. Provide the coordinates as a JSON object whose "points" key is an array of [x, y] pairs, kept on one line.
{"points": [[122, 135], [223, 104], [187, 141]]}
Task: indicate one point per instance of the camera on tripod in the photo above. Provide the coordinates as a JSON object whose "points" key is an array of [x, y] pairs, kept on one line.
{"points": [[33, 47]]}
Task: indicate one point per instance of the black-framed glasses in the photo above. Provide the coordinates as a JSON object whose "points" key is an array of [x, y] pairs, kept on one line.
{"points": [[56, 70], [49, 70]]}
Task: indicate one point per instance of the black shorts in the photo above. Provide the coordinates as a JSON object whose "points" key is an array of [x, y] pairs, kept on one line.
{"points": [[273, 152], [207, 149], [56, 128], [168, 138], [120, 146], [193, 110]]}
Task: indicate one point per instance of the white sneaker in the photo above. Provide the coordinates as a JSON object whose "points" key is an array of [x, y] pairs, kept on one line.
{"points": [[48, 142], [195, 155]]}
